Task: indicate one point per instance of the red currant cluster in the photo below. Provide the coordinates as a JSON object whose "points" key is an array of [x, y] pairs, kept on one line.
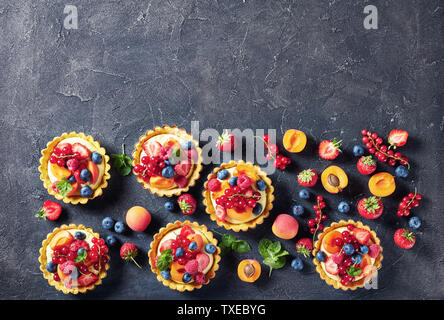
{"points": [[280, 161], [315, 224], [408, 202], [238, 198], [150, 166], [59, 156], [375, 146]]}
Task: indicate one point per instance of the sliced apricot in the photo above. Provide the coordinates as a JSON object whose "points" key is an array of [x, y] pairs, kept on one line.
{"points": [[328, 243], [366, 261], [199, 241], [294, 140], [61, 239], [75, 186], [382, 184], [240, 216], [177, 271], [223, 186], [92, 167], [249, 270], [161, 182], [285, 226], [59, 172], [334, 179]]}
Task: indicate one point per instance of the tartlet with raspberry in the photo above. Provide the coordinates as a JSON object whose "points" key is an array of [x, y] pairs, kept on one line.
{"points": [[347, 254], [74, 168], [238, 195], [184, 255], [167, 161], [74, 259]]}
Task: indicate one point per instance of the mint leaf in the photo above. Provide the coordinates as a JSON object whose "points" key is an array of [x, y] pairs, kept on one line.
{"points": [[228, 239], [229, 242], [164, 260], [122, 163], [82, 256], [241, 246], [354, 272], [274, 256], [275, 247], [64, 187], [263, 246]]}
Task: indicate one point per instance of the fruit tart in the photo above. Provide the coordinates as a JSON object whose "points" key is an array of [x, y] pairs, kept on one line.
{"points": [[184, 255], [238, 195], [167, 161], [74, 259], [74, 168], [346, 254]]}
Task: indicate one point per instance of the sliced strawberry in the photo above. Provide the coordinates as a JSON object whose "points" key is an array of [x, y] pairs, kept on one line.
{"points": [[83, 151], [181, 181], [152, 148], [374, 250], [361, 235], [183, 168], [203, 260], [398, 138], [221, 213], [166, 245], [329, 149], [226, 142], [331, 267], [186, 231], [51, 210], [87, 279]]}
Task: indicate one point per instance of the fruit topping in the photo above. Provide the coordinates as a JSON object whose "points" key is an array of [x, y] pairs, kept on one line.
{"points": [[285, 226], [81, 150], [362, 235], [373, 250], [226, 142], [397, 138], [304, 246], [51, 210], [331, 267], [370, 208]]}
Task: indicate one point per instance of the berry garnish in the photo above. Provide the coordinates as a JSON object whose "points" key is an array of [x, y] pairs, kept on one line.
{"points": [[315, 224], [279, 161], [226, 142], [51, 210], [408, 202]]}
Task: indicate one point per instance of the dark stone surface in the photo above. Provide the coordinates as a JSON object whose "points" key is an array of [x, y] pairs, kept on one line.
{"points": [[308, 65]]}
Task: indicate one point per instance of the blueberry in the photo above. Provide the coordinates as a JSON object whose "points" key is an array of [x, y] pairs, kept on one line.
{"points": [[80, 251], [349, 249], [80, 235], [192, 246], [85, 175], [414, 222], [179, 252], [233, 181], [51, 267], [187, 145], [257, 209], [72, 179], [304, 194], [356, 258], [401, 172], [363, 249], [168, 172], [119, 227], [210, 248], [261, 185], [96, 158], [187, 277], [222, 174], [111, 240], [169, 206], [167, 162], [108, 223], [343, 207], [298, 210], [358, 151], [166, 274], [297, 264], [86, 191], [320, 256]]}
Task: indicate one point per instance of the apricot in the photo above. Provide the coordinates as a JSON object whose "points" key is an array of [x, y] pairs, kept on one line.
{"points": [[59, 172], [366, 261], [177, 271], [382, 184], [75, 187], [240, 216], [224, 185], [61, 239], [92, 167], [249, 270], [294, 140], [285, 227], [334, 179], [328, 244], [243, 168], [199, 241], [138, 218], [161, 182]]}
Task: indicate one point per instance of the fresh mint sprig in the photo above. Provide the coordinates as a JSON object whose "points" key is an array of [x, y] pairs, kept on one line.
{"points": [[273, 254], [122, 163], [229, 242]]}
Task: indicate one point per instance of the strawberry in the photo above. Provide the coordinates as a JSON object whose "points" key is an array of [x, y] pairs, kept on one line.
{"points": [[128, 252], [331, 267], [329, 150], [361, 235], [374, 250], [307, 178], [187, 204], [51, 210], [83, 151], [202, 261], [186, 231], [183, 168], [151, 148], [366, 165], [338, 258], [370, 208], [87, 279], [181, 181], [226, 142], [404, 238], [397, 138], [221, 212], [304, 246]]}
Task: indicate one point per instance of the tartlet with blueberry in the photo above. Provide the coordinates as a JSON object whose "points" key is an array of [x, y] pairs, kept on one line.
{"points": [[74, 168], [238, 195], [347, 254], [184, 255], [74, 259], [167, 161]]}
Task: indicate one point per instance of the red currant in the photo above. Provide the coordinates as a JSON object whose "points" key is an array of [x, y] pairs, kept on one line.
{"points": [[56, 277]]}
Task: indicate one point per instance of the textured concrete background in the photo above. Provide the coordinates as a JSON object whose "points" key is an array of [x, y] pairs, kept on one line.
{"points": [[308, 65]]}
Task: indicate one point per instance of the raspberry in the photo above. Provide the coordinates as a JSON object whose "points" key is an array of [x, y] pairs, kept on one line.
{"points": [[191, 266], [243, 181], [76, 245], [200, 278], [214, 185]]}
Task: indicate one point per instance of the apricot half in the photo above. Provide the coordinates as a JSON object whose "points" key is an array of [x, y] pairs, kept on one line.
{"points": [[240, 216], [294, 140], [285, 227], [59, 172], [249, 270], [328, 242], [61, 239], [334, 179], [382, 184], [161, 182]]}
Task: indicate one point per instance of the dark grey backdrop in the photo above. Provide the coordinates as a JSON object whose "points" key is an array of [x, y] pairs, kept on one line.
{"points": [[308, 65]]}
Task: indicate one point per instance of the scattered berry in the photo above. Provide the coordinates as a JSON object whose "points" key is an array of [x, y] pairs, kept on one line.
{"points": [[401, 171], [370, 208], [111, 240], [343, 207], [358, 151], [108, 223], [119, 227], [397, 138], [366, 165], [298, 210], [304, 194], [169, 206], [226, 142], [129, 251], [187, 204], [50, 210], [307, 178], [404, 238], [329, 150], [304, 246], [297, 264], [414, 223]]}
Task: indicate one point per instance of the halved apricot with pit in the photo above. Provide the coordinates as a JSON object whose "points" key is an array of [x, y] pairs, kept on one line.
{"points": [[382, 184], [334, 179], [249, 270], [294, 140]]}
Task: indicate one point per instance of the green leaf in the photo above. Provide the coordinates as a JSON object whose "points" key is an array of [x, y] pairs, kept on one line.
{"points": [[353, 271], [122, 163], [282, 253], [241, 246], [164, 260], [82, 256], [228, 239], [64, 187], [224, 249], [273, 255], [263, 246], [275, 247]]}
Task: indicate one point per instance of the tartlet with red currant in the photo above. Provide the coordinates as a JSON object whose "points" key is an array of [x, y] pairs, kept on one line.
{"points": [[238, 195], [167, 161], [74, 259], [184, 255], [347, 254], [74, 168]]}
